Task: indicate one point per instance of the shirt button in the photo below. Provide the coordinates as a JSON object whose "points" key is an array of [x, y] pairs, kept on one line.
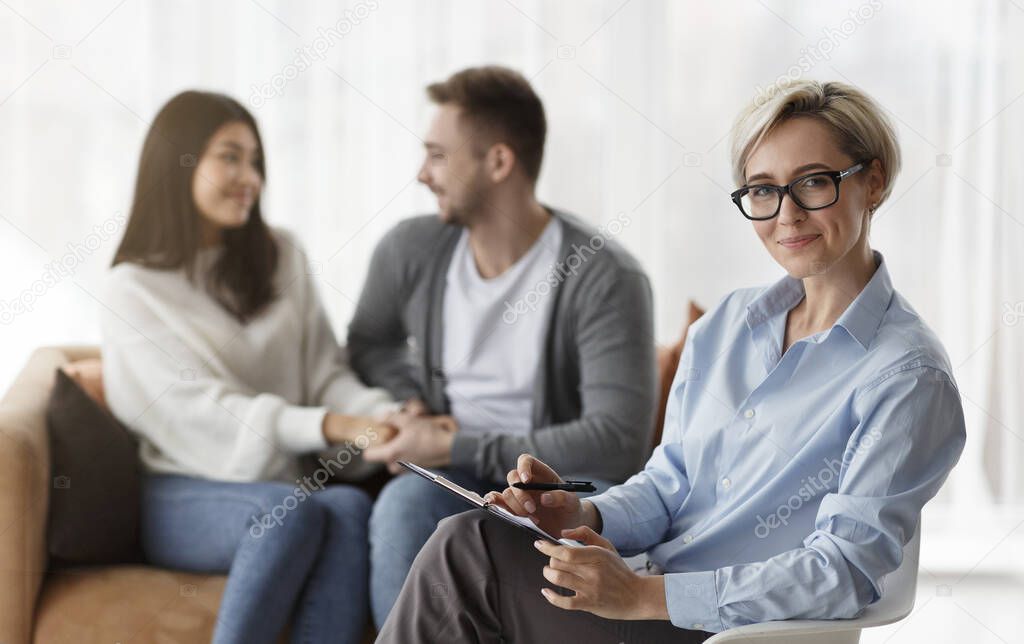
{"points": [[687, 538], [749, 413], [698, 626], [726, 482]]}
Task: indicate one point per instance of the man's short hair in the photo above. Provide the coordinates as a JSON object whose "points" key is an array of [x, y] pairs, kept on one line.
{"points": [[499, 106]]}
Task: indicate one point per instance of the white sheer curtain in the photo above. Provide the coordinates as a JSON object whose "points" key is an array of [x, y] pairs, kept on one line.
{"points": [[978, 281], [640, 95]]}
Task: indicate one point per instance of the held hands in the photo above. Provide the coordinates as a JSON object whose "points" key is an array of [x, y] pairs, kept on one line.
{"points": [[408, 435], [603, 583], [424, 440], [362, 430]]}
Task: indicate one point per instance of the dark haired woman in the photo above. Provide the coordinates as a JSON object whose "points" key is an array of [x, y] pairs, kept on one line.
{"points": [[218, 354]]}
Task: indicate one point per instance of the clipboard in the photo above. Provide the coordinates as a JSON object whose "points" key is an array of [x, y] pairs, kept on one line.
{"points": [[476, 500]]}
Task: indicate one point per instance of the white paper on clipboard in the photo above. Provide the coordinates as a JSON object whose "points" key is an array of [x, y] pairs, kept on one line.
{"points": [[475, 499]]}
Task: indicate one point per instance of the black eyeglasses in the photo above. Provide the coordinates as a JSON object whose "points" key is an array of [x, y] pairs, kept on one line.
{"points": [[810, 192]]}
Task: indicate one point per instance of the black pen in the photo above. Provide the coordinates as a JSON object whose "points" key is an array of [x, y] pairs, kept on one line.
{"points": [[568, 486]]}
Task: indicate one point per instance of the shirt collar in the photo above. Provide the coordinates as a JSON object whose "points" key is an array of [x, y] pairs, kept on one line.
{"points": [[861, 318]]}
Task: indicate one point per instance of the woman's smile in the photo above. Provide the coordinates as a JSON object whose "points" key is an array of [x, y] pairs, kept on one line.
{"points": [[799, 241]]}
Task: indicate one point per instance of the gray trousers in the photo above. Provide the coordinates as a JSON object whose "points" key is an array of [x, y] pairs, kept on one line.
{"points": [[478, 579]]}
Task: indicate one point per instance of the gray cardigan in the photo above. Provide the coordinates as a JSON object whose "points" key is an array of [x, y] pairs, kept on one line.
{"points": [[595, 392]]}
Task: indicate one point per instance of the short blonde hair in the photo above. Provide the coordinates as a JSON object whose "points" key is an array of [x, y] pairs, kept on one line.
{"points": [[861, 128]]}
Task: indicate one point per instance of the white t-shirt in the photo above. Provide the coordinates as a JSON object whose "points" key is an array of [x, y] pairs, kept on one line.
{"points": [[494, 330]]}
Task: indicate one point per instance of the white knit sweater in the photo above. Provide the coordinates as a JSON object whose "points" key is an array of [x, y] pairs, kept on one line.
{"points": [[213, 398]]}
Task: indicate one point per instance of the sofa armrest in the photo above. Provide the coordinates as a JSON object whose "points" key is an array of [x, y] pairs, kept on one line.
{"points": [[25, 489]]}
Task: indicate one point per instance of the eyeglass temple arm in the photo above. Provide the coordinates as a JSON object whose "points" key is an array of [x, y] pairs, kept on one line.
{"points": [[847, 172]]}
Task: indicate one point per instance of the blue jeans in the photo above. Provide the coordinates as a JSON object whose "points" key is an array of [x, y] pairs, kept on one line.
{"points": [[404, 516], [302, 560]]}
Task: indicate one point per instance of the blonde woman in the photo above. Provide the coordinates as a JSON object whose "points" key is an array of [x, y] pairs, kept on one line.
{"points": [[807, 425]]}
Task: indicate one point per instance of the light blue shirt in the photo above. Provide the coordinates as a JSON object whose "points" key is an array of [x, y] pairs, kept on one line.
{"points": [[787, 485]]}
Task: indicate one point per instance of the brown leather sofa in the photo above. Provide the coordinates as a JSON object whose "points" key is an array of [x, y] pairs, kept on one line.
{"points": [[121, 603], [108, 604]]}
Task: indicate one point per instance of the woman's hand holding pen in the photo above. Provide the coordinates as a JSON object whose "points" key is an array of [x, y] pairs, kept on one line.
{"points": [[603, 584], [554, 510]]}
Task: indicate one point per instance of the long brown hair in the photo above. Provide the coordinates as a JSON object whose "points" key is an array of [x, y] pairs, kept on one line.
{"points": [[164, 225]]}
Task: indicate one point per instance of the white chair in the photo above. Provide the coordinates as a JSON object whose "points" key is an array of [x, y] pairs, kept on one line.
{"points": [[896, 602]]}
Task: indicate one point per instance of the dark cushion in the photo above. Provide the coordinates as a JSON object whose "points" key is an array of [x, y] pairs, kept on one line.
{"points": [[95, 481]]}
